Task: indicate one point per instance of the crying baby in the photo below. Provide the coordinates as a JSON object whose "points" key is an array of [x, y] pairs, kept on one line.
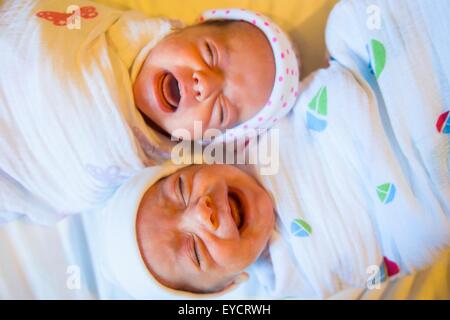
{"points": [[190, 231], [219, 73], [233, 70]]}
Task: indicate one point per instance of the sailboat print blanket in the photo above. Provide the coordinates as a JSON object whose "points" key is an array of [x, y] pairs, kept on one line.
{"points": [[363, 190]]}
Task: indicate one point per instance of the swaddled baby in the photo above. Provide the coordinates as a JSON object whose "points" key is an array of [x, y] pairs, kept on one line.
{"points": [[205, 73], [102, 91], [200, 231], [171, 231]]}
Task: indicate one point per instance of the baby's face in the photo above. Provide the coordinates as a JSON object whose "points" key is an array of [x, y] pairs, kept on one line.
{"points": [[199, 228], [220, 75]]}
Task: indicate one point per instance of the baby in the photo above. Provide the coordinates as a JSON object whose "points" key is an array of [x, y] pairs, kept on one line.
{"points": [[205, 73], [194, 230], [200, 231], [220, 73], [104, 91]]}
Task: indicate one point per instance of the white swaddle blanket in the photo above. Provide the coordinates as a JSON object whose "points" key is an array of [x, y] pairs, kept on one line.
{"points": [[359, 187], [70, 132]]}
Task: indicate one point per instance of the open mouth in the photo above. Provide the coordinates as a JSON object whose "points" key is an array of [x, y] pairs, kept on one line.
{"points": [[170, 91], [237, 211]]}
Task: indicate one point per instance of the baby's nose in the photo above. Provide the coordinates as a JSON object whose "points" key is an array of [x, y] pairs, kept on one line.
{"points": [[205, 213], [206, 83]]}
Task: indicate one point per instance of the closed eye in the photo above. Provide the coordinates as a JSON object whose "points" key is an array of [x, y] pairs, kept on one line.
{"points": [[195, 251], [221, 109], [210, 53], [222, 113], [182, 190]]}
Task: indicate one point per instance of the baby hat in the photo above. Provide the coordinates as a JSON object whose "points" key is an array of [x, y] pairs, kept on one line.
{"points": [[286, 83], [122, 262]]}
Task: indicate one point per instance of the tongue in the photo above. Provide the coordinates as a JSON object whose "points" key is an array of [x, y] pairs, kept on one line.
{"points": [[171, 90]]}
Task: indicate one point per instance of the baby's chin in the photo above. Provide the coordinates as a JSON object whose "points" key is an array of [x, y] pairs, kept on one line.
{"points": [[180, 133], [175, 132], [153, 125], [195, 133]]}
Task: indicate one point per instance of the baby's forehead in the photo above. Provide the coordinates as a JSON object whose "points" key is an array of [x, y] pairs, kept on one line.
{"points": [[155, 198]]}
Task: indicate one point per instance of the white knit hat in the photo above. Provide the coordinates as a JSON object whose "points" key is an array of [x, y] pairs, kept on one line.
{"points": [[286, 85], [122, 262]]}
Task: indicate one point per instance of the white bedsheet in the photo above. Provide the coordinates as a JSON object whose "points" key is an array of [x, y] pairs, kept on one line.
{"points": [[41, 262], [35, 260]]}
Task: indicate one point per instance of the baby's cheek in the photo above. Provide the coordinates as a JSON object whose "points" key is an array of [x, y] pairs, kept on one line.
{"points": [[250, 111], [234, 256], [194, 125], [179, 125]]}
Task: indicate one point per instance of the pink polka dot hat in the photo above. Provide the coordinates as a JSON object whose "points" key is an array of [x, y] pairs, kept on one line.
{"points": [[286, 85]]}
